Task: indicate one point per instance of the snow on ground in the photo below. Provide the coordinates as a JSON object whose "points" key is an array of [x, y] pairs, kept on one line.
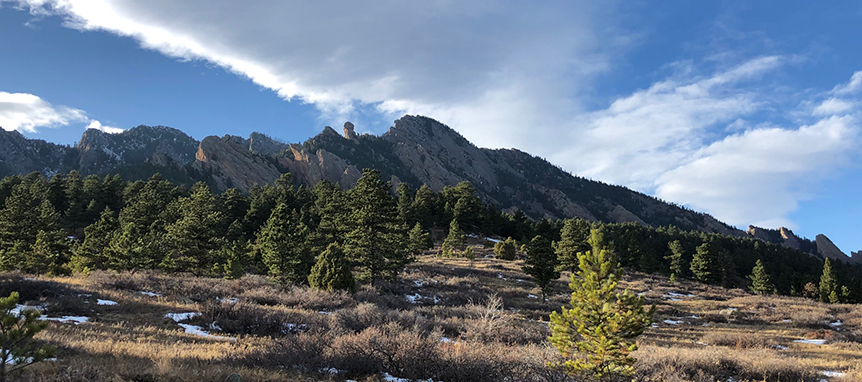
{"points": [[151, 294], [416, 298], [389, 378], [836, 324], [105, 302], [673, 322], [67, 319], [532, 296], [832, 374], [232, 300], [194, 329], [446, 340], [182, 316], [813, 342]]}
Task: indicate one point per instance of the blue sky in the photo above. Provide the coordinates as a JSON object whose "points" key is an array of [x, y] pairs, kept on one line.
{"points": [[746, 110]]}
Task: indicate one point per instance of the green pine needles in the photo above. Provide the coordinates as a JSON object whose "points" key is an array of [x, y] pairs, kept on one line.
{"points": [[18, 349], [760, 281], [332, 271], [597, 334]]}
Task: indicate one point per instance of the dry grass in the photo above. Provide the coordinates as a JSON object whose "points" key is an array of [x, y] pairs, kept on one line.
{"points": [[448, 319]]}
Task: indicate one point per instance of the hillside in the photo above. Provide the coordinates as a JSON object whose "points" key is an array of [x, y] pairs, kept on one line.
{"points": [[447, 320], [416, 150]]}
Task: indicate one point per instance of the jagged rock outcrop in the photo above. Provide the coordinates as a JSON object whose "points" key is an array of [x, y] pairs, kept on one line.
{"points": [[821, 247], [348, 131]]}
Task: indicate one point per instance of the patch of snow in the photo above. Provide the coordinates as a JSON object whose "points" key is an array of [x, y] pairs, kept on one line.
{"points": [[674, 294], [232, 300], [492, 240], [832, 374], [673, 299], [813, 342], [30, 279], [418, 283], [520, 281], [836, 324], [324, 312], [693, 317], [177, 317], [446, 340], [151, 294], [293, 328], [779, 347], [785, 320], [532, 296], [413, 298], [472, 235], [328, 370], [500, 276], [673, 322], [654, 325], [389, 378], [105, 302], [67, 319]]}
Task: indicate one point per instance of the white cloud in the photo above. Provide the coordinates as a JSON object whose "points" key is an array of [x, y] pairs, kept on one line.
{"points": [[27, 112], [833, 106], [94, 124], [476, 65], [850, 87], [641, 136], [759, 176]]}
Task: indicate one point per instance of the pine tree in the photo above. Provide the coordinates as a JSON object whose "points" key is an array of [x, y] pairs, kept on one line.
{"points": [[93, 252], [418, 240], [332, 271], [601, 324], [18, 349], [330, 209], [707, 264], [283, 246], [828, 282], [423, 207], [405, 204], [376, 237], [455, 239], [506, 249], [48, 255], [573, 239], [760, 282], [541, 264], [677, 263], [469, 254], [193, 238]]}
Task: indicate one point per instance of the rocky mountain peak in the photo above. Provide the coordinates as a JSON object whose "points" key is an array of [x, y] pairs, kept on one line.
{"points": [[349, 133]]}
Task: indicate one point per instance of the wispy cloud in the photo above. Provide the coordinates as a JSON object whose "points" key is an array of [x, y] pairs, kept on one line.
{"points": [[27, 112], [94, 124]]}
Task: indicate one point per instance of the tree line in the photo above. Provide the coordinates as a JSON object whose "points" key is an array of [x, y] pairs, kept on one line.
{"points": [[325, 235]]}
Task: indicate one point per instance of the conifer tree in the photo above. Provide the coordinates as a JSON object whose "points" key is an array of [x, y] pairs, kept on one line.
{"points": [[573, 239], [330, 209], [707, 265], [677, 263], [423, 207], [541, 263], [601, 323], [418, 240], [18, 349], [455, 239], [760, 282], [828, 282], [506, 249], [332, 271], [93, 252], [193, 238], [283, 246], [405, 204], [376, 237], [48, 254]]}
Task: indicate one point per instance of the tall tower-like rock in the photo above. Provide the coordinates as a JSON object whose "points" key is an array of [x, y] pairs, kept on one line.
{"points": [[348, 131]]}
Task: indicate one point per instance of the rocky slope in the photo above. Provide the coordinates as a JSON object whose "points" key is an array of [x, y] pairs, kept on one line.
{"points": [[820, 247], [415, 150]]}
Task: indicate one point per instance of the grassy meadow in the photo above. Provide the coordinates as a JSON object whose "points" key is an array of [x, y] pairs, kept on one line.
{"points": [[448, 319]]}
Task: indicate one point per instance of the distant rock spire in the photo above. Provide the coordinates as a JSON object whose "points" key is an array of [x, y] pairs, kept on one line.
{"points": [[348, 131]]}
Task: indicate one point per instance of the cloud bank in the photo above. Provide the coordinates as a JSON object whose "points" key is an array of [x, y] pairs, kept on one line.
{"points": [[509, 75]]}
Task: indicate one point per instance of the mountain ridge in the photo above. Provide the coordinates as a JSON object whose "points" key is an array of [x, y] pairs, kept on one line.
{"points": [[416, 150]]}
